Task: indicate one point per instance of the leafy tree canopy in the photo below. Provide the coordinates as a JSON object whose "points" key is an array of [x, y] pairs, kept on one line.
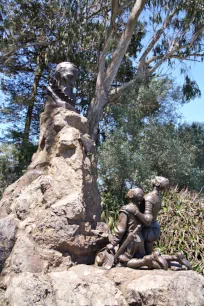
{"points": [[113, 43]]}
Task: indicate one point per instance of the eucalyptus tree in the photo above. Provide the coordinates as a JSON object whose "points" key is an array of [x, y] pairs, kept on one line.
{"points": [[115, 43], [177, 30], [142, 140]]}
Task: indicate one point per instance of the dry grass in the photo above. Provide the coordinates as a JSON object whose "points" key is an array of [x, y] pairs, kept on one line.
{"points": [[182, 226]]}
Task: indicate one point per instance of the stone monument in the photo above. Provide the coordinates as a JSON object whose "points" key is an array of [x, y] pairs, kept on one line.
{"points": [[50, 225], [50, 217], [135, 233]]}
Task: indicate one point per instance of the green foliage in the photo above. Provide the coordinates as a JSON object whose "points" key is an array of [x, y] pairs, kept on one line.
{"points": [[24, 152], [181, 221], [110, 209], [165, 153], [7, 166], [14, 159], [142, 140], [191, 89], [195, 134]]}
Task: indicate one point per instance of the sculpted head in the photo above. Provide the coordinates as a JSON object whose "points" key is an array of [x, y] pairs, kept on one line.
{"points": [[136, 194], [65, 75], [161, 182]]}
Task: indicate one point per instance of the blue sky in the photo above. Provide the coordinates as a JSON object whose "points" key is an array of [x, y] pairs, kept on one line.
{"points": [[194, 110]]}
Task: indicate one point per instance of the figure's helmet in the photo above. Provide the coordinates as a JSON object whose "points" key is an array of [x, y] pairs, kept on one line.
{"points": [[160, 181], [136, 194]]}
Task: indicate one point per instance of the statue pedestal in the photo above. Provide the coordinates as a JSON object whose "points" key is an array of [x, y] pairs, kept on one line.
{"points": [[87, 285], [55, 207]]}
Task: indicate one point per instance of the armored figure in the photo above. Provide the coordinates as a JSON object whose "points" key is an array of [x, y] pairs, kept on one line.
{"points": [[126, 224]]}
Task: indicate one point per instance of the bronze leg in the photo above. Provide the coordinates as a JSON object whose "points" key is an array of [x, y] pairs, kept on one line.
{"points": [[136, 263], [148, 247], [179, 257]]}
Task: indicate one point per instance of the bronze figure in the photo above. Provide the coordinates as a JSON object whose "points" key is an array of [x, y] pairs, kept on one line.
{"points": [[151, 227], [126, 224], [135, 232], [62, 83]]}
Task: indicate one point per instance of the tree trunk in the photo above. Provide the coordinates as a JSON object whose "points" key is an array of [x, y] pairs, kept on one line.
{"points": [[96, 112], [105, 78], [29, 114]]}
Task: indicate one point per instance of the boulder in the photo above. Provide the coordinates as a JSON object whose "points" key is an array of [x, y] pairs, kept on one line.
{"points": [[50, 217], [84, 285], [8, 228]]}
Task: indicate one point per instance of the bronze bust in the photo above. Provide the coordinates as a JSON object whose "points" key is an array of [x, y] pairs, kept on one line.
{"points": [[61, 85]]}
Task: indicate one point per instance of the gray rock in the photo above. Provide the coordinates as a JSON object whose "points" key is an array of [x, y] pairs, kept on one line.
{"points": [[8, 227], [56, 202], [87, 285]]}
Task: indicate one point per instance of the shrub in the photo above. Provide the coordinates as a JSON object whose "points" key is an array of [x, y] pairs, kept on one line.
{"points": [[182, 229]]}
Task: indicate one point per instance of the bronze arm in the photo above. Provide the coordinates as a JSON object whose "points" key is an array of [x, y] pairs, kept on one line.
{"points": [[147, 217]]}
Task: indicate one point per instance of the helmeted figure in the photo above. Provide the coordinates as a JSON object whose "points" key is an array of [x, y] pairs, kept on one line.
{"points": [[126, 224]]}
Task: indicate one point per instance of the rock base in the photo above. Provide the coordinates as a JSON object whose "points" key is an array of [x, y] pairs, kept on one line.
{"points": [[84, 285], [50, 217]]}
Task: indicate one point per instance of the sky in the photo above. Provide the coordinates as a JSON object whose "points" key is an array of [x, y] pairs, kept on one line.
{"points": [[194, 110]]}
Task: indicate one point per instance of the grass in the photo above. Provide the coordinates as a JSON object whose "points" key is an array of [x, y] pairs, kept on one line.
{"points": [[182, 226]]}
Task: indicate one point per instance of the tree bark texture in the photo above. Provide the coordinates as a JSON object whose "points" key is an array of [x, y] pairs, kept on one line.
{"points": [[105, 78], [29, 113]]}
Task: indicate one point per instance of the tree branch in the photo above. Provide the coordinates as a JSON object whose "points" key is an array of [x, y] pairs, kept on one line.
{"points": [[115, 93], [4, 58], [102, 58], [171, 53], [123, 43], [155, 39], [125, 5]]}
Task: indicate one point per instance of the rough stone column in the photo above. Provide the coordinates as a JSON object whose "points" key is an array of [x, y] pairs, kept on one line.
{"points": [[55, 207]]}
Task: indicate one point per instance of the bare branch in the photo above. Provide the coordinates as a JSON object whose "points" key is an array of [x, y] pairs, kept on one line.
{"points": [[124, 5], [94, 14], [102, 58], [153, 58], [115, 93], [5, 57], [95, 10], [114, 11], [189, 55], [171, 53], [123, 43], [156, 38]]}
